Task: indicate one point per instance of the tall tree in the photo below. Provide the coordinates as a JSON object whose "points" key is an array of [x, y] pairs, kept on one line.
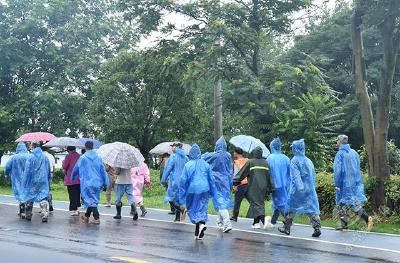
{"points": [[387, 14]]}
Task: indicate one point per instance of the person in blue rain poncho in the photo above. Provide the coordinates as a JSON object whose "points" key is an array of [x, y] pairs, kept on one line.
{"points": [[302, 196], [36, 182], [196, 186], [221, 165], [15, 167], [172, 173], [349, 185], [279, 167], [93, 178]]}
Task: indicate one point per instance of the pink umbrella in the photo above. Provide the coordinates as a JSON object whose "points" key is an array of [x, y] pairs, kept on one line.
{"points": [[36, 136]]}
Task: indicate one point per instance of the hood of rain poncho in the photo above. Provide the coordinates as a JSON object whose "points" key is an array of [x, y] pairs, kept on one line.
{"points": [[93, 177], [36, 177], [21, 148], [221, 166], [302, 196], [16, 168], [172, 171], [195, 152], [196, 185], [275, 145], [347, 177], [299, 148], [279, 166], [220, 145], [257, 153]]}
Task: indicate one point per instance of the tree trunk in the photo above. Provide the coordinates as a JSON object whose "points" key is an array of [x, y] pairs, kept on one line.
{"points": [[375, 137], [218, 109], [361, 88], [390, 40]]}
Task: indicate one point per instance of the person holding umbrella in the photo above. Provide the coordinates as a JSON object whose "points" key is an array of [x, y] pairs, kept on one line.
{"points": [[172, 172], [196, 186], [36, 182], [93, 177], [15, 167], [260, 185], [221, 165], [73, 187], [241, 190]]}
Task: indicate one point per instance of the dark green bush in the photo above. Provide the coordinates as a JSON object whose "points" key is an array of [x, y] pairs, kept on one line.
{"points": [[394, 158]]}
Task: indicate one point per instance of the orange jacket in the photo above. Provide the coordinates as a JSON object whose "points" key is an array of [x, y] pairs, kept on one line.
{"points": [[239, 163]]}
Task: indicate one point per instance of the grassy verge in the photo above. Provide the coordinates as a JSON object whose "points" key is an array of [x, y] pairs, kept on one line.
{"points": [[154, 197]]}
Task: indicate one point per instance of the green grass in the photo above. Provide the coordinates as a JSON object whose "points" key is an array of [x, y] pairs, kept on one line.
{"points": [[154, 197]]}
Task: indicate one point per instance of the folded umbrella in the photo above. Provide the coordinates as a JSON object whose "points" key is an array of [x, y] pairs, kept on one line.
{"points": [[121, 155], [64, 142], [165, 147], [36, 136], [248, 143]]}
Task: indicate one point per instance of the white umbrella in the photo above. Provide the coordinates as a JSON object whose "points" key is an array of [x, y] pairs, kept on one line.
{"points": [[121, 155], [63, 142], [248, 143], [165, 147]]}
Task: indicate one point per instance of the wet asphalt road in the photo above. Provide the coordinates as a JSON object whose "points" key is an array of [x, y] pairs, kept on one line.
{"points": [[66, 239]]}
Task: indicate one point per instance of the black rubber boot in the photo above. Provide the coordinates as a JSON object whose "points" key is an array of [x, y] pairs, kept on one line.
{"points": [[234, 216], [135, 213], [118, 207], [171, 204], [317, 232], [22, 210], [343, 225], [177, 216], [144, 211], [28, 211]]}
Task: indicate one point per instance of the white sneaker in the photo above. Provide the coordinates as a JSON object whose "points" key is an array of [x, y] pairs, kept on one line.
{"points": [[269, 226], [227, 229], [256, 226]]}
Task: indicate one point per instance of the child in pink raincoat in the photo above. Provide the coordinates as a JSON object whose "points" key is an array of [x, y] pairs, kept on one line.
{"points": [[140, 177]]}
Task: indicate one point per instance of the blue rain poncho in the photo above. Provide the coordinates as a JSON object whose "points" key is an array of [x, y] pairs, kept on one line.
{"points": [[347, 177], [302, 197], [36, 177], [172, 172], [93, 177], [221, 165], [196, 186], [279, 166], [16, 167]]}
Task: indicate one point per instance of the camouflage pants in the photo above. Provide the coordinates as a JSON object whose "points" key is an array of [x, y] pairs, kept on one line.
{"points": [[314, 219], [343, 211]]}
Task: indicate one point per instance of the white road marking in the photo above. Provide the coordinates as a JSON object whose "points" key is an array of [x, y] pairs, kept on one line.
{"points": [[251, 231]]}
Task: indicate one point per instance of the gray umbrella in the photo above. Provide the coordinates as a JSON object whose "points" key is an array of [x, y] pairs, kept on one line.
{"points": [[165, 147], [63, 142], [121, 155]]}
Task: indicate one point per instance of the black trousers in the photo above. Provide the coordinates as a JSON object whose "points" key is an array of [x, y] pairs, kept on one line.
{"points": [[239, 196], [95, 211], [74, 192]]}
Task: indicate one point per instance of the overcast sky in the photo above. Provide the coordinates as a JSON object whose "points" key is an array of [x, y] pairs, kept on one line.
{"points": [[181, 21]]}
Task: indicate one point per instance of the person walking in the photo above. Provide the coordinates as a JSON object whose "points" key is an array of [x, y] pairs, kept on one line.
{"points": [[196, 186], [123, 186], [302, 198], [37, 182], [140, 176], [111, 177], [279, 167], [349, 185], [15, 167], [163, 163], [52, 162], [172, 173], [221, 166], [260, 185], [93, 177], [241, 190], [73, 187]]}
